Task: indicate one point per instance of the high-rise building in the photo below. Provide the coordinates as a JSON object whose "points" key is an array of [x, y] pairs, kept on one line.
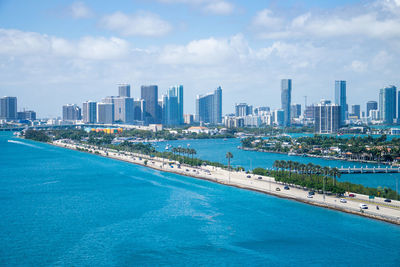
{"points": [[124, 90], [139, 107], [89, 112], [261, 110], [26, 115], [177, 91], [387, 104], [242, 109], [189, 118], [295, 111], [71, 112], [8, 108], [286, 98], [209, 107], [309, 112], [341, 100], [105, 113], [371, 105], [327, 117], [356, 110], [123, 110], [149, 93], [170, 109], [279, 117]]}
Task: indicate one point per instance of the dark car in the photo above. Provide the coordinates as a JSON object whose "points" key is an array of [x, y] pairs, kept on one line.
{"points": [[259, 177], [388, 200], [248, 176], [352, 195], [311, 193], [286, 187]]}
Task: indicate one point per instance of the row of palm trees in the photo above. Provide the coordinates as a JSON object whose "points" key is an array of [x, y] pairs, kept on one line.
{"points": [[309, 169], [184, 151]]}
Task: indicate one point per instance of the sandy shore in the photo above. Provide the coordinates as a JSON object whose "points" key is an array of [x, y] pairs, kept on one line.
{"points": [[389, 212]]}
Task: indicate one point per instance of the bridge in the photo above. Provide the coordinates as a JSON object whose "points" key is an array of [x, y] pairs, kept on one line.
{"points": [[366, 169]]}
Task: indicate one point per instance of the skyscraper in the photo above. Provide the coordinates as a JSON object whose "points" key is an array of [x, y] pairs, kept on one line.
{"points": [[123, 109], [89, 112], [8, 108], [177, 91], [340, 99], [286, 98], [387, 104], [356, 110], [105, 113], [209, 107], [295, 111], [71, 112], [149, 93], [371, 105], [170, 109], [327, 117], [242, 110], [124, 90], [26, 115]]}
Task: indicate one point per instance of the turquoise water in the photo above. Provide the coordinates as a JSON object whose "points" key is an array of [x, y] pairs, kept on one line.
{"points": [[62, 207], [215, 150]]}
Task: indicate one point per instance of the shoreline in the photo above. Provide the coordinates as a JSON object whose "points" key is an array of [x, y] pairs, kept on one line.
{"points": [[314, 156], [241, 180]]}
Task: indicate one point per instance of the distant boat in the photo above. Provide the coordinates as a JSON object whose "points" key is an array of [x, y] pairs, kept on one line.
{"points": [[166, 147], [225, 139], [292, 154]]}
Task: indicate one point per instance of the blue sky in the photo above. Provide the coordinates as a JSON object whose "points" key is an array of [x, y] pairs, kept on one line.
{"points": [[58, 52]]}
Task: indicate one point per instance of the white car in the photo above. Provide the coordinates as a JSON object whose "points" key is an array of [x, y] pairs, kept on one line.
{"points": [[309, 196], [363, 206], [342, 200]]}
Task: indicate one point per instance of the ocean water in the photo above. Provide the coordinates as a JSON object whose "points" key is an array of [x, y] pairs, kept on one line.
{"points": [[67, 208], [215, 150]]}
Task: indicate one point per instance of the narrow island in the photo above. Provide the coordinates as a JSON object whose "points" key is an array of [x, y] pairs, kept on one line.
{"points": [[307, 183]]}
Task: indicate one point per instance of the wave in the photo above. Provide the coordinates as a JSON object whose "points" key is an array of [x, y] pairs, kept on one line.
{"points": [[22, 143]]}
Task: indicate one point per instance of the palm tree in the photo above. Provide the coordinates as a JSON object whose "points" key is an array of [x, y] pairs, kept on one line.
{"points": [[336, 174], [193, 152], [229, 155]]}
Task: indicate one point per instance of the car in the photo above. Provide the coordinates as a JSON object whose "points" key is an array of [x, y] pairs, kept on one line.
{"points": [[248, 176], [388, 200], [286, 187], [310, 196], [352, 195], [278, 189], [342, 200], [363, 206], [311, 193], [259, 177], [187, 170]]}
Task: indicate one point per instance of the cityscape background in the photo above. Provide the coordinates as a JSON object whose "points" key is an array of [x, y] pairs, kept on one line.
{"points": [[69, 52]]}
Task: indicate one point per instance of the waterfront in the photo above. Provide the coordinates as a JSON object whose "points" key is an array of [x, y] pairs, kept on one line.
{"points": [[215, 150], [63, 207]]}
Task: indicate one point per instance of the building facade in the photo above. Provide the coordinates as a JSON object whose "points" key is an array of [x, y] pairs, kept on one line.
{"points": [[105, 113], [341, 100], [89, 112], [356, 111], [209, 107], [286, 98], [295, 111], [371, 105], [387, 104], [149, 93], [8, 108], [170, 109], [177, 91], [71, 112], [124, 90], [242, 109], [26, 115], [327, 117]]}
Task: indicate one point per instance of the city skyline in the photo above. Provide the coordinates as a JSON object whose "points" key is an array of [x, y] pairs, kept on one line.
{"points": [[71, 51]]}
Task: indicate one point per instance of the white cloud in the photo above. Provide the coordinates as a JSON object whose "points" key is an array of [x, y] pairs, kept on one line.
{"points": [[217, 7], [15, 42], [266, 19], [79, 10], [358, 66], [140, 24], [369, 24]]}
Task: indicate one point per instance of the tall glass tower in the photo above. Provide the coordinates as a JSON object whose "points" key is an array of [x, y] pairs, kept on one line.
{"points": [[209, 107], [340, 99], [149, 93], [387, 104], [177, 91], [286, 99]]}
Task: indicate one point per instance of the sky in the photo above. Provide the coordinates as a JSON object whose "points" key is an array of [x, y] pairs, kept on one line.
{"points": [[59, 52]]}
